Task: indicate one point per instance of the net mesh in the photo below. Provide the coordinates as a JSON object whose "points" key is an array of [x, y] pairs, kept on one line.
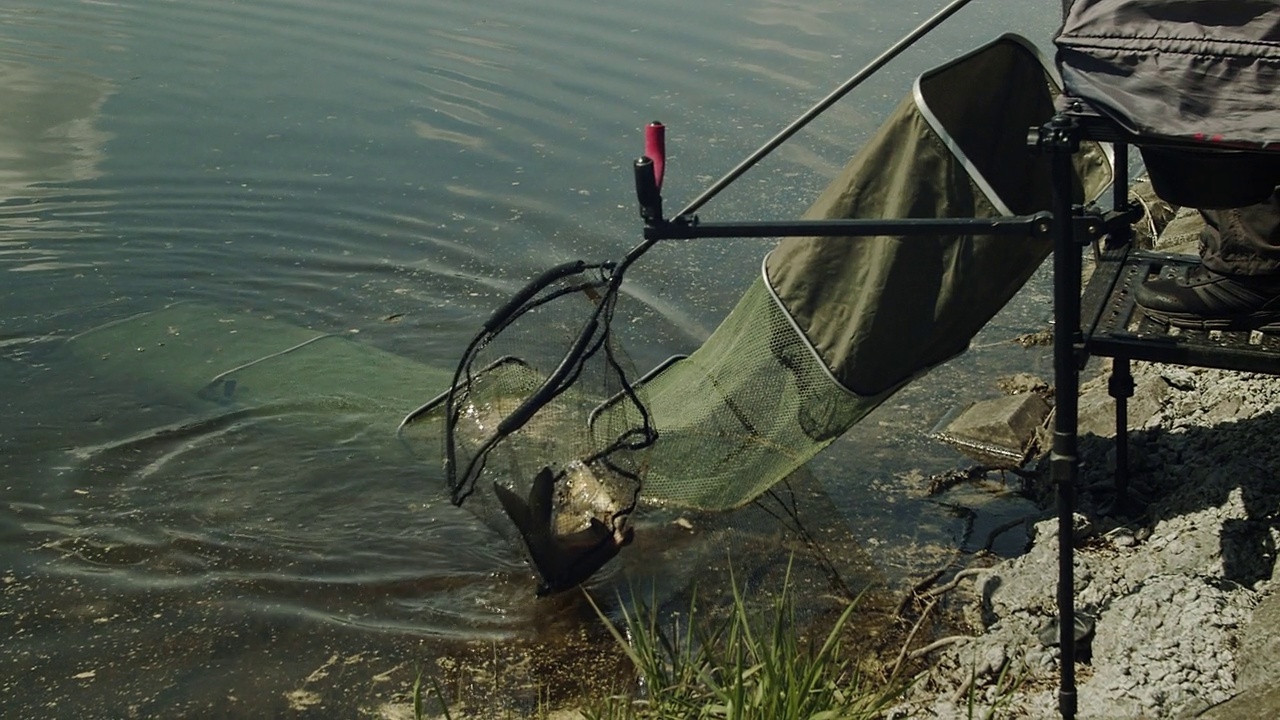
{"points": [[545, 443], [749, 406], [556, 449]]}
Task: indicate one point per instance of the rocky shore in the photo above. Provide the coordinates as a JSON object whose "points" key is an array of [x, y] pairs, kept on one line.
{"points": [[1182, 589]]}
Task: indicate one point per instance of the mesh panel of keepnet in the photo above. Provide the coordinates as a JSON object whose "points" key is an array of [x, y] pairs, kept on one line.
{"points": [[597, 459], [747, 408]]}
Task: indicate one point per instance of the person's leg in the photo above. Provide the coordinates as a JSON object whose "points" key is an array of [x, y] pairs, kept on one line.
{"points": [[1243, 241], [1237, 284]]}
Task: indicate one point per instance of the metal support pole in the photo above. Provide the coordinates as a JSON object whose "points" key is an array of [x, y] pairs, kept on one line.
{"points": [[1036, 225], [1060, 137], [1122, 232], [1120, 387], [1120, 175]]}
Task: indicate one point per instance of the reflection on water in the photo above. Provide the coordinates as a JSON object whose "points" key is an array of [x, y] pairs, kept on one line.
{"points": [[380, 174], [49, 134], [48, 137]]}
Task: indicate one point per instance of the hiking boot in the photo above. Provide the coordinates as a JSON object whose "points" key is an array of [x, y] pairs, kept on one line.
{"points": [[1206, 300]]}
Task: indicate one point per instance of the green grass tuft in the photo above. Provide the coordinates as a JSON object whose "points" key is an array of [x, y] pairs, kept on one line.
{"points": [[747, 666]]}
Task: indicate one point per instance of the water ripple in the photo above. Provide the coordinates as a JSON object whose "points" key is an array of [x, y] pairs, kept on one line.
{"points": [[394, 166]]}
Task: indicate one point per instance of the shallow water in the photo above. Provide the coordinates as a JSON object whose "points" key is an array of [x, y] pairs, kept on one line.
{"points": [[385, 173]]}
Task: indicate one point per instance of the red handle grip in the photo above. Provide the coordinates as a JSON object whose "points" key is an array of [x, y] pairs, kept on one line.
{"points": [[655, 148]]}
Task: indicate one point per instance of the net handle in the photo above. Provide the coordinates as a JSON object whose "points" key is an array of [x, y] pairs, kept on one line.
{"points": [[504, 313], [553, 384], [563, 376]]}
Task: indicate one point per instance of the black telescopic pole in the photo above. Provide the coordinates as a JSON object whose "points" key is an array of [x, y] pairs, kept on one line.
{"points": [[1063, 138], [834, 96], [831, 99]]}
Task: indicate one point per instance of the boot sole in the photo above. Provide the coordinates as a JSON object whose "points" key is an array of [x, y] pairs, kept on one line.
{"points": [[1262, 322]]}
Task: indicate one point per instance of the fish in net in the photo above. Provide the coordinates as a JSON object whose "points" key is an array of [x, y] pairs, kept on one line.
{"points": [[547, 445]]}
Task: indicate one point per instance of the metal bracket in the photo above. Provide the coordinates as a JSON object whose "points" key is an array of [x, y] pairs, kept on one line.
{"points": [[1060, 134]]}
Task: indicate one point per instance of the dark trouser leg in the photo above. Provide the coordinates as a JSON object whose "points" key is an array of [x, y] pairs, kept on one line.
{"points": [[1243, 241], [1237, 284]]}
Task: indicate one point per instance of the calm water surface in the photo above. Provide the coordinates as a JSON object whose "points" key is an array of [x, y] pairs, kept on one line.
{"points": [[387, 173]]}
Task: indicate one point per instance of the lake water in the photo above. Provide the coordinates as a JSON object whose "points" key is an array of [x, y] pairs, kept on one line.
{"points": [[386, 173]]}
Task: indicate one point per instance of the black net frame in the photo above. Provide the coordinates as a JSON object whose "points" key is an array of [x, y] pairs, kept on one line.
{"points": [[557, 432]]}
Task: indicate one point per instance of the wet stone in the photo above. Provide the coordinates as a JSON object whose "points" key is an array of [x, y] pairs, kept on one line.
{"points": [[999, 431]]}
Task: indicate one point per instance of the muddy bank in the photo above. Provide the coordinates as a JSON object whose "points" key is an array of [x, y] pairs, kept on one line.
{"points": [[1181, 589]]}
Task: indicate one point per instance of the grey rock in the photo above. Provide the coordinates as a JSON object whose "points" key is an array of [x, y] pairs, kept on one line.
{"points": [[999, 431], [1097, 409], [1260, 647], [1020, 383], [1168, 641], [1251, 704], [1186, 603]]}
